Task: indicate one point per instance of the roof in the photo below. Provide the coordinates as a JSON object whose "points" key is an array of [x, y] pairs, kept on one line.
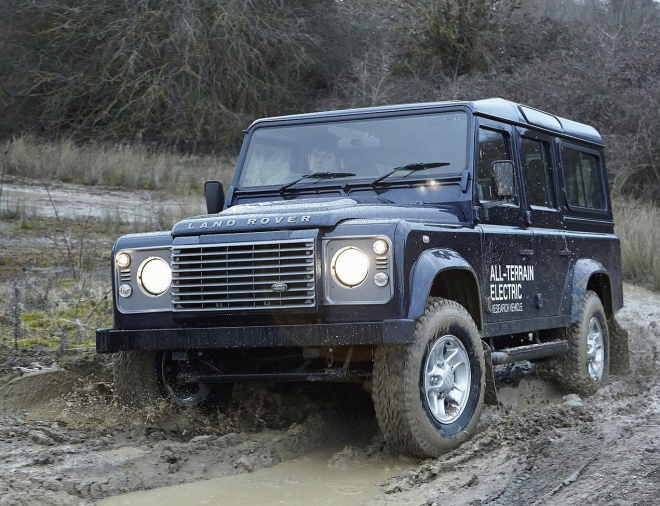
{"points": [[496, 108]]}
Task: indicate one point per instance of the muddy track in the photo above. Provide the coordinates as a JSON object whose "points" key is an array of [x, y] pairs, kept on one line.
{"points": [[63, 440], [55, 199]]}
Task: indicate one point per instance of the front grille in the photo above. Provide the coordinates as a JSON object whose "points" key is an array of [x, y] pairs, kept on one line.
{"points": [[244, 276]]}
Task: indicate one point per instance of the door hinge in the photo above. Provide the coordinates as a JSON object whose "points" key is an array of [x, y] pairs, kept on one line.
{"points": [[465, 179]]}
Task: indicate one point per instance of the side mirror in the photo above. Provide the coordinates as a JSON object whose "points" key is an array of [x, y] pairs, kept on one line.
{"points": [[215, 196], [505, 185]]}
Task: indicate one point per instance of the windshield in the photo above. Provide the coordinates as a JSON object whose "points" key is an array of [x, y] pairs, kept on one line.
{"points": [[366, 148]]}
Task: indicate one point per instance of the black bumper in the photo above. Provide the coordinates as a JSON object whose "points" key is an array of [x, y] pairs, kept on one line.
{"points": [[337, 334]]}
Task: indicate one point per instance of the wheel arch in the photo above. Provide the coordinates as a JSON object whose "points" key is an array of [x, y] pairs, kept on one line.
{"points": [[444, 273], [589, 274]]}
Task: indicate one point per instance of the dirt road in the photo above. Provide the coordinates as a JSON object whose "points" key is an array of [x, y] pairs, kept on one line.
{"points": [[64, 441]]}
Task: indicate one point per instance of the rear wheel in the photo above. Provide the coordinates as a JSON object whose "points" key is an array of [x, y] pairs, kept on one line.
{"points": [[585, 366], [429, 395]]}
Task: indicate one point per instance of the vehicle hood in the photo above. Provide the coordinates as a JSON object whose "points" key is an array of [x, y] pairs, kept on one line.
{"points": [[307, 213]]}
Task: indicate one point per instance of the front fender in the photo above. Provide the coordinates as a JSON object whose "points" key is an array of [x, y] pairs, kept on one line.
{"points": [[424, 272], [582, 272]]}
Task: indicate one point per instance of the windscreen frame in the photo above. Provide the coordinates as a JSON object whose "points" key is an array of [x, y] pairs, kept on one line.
{"points": [[340, 117]]}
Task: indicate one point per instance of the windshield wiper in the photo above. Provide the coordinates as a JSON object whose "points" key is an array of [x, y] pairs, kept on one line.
{"points": [[316, 175], [412, 167]]}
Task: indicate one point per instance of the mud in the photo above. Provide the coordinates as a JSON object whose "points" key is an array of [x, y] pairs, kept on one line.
{"points": [[63, 440]]}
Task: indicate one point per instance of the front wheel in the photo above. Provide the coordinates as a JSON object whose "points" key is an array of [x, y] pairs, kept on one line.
{"points": [[136, 379], [429, 395], [187, 394]]}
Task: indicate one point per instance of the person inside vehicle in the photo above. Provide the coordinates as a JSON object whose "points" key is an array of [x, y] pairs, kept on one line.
{"points": [[324, 156]]}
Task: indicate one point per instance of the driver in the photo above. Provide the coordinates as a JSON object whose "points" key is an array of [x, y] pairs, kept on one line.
{"points": [[324, 156]]}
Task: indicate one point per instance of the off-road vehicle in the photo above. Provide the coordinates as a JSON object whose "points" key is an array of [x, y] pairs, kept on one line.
{"points": [[409, 247]]}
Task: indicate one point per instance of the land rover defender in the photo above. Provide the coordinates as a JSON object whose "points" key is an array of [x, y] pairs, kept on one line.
{"points": [[409, 248]]}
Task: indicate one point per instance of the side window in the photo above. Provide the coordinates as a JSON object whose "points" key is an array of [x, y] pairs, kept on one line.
{"points": [[493, 146], [537, 170], [582, 179]]}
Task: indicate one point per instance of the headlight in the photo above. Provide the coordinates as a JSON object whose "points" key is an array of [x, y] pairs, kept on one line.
{"points": [[350, 266], [155, 276]]}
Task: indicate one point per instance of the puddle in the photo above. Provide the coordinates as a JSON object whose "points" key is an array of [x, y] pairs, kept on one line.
{"points": [[530, 392], [305, 480]]}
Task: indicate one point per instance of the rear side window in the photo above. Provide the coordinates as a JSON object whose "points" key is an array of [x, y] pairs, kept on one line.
{"points": [[582, 179], [537, 173]]}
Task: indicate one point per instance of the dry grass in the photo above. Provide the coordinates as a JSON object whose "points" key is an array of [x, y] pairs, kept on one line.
{"points": [[638, 227], [131, 166]]}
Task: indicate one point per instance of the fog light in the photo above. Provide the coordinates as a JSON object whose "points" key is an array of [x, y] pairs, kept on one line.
{"points": [[155, 275], [380, 247], [351, 266], [123, 260], [125, 291], [381, 279]]}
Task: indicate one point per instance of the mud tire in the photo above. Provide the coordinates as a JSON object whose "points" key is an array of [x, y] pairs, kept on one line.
{"points": [[136, 379], [570, 370], [401, 407]]}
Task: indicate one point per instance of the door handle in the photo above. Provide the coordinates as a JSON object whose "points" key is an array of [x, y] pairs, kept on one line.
{"points": [[526, 252], [565, 253]]}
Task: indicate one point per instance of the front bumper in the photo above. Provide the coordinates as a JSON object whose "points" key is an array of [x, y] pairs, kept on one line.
{"points": [[336, 334]]}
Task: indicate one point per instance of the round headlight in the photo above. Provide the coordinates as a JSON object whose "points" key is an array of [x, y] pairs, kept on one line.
{"points": [[380, 247], [155, 275], [123, 260], [351, 266]]}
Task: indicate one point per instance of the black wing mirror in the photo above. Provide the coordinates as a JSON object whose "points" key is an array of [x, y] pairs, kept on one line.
{"points": [[215, 196], [505, 186]]}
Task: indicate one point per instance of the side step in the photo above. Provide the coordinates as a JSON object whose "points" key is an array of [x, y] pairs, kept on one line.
{"points": [[528, 352], [330, 375]]}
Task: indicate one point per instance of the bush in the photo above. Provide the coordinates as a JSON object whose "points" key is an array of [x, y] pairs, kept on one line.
{"points": [[192, 70], [637, 227]]}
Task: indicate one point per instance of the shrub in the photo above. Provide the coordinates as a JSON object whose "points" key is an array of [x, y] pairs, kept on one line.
{"points": [[637, 227]]}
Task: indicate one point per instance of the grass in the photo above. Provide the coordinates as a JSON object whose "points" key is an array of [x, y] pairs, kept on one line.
{"points": [[130, 166], [55, 310], [58, 266], [59, 300], [638, 227]]}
